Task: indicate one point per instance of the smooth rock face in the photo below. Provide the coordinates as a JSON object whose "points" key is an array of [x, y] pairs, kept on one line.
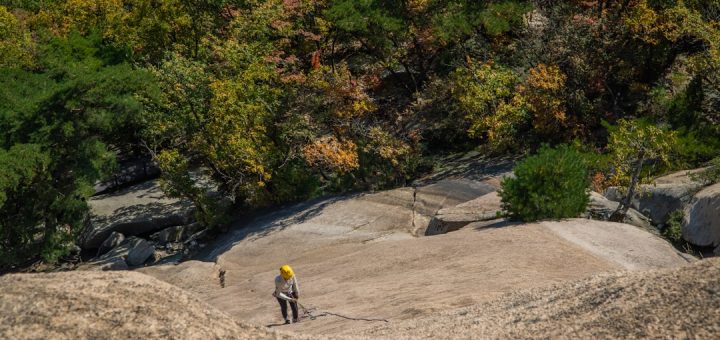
{"points": [[482, 208], [114, 240], [679, 177], [136, 210], [659, 201], [701, 225]]}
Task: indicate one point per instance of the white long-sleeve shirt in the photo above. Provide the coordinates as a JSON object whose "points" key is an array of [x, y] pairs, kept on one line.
{"points": [[286, 287]]}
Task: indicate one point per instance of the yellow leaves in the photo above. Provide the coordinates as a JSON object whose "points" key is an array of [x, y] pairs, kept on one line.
{"points": [[330, 153], [671, 24], [643, 22], [15, 42], [345, 97], [634, 142], [543, 93], [109, 16], [485, 92], [387, 146], [495, 101]]}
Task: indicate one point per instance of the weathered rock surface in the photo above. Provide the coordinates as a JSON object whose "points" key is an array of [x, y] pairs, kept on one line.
{"points": [[678, 303], [111, 305], [114, 240], [365, 269], [679, 177], [483, 208], [135, 210], [701, 224]]}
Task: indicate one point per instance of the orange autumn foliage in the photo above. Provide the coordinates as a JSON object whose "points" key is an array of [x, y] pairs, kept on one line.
{"points": [[330, 153]]}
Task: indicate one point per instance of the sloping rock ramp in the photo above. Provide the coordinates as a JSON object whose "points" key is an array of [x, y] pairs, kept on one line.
{"points": [[679, 303], [363, 272]]}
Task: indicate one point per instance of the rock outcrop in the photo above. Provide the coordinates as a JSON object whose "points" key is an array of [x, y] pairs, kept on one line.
{"points": [[132, 252], [483, 208], [110, 305], [701, 224], [429, 199], [664, 196], [136, 210], [601, 208]]}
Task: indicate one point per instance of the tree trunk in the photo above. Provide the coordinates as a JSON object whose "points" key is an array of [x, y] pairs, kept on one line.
{"points": [[624, 206]]}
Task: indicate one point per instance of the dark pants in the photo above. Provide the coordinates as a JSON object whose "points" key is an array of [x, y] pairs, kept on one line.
{"points": [[293, 306]]}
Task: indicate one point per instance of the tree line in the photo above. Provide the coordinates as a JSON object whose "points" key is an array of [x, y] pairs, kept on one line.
{"points": [[282, 100]]}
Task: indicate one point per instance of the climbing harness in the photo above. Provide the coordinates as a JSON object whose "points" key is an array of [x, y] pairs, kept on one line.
{"points": [[312, 313]]}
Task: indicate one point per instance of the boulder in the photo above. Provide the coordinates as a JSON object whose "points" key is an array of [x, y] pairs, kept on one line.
{"points": [[171, 234], [136, 210], [134, 251], [701, 224], [140, 251], [658, 201], [114, 240], [665, 195], [601, 208], [483, 208]]}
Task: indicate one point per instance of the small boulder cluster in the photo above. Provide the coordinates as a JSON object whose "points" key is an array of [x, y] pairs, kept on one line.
{"points": [[137, 225]]}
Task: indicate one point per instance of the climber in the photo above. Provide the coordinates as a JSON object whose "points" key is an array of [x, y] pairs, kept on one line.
{"points": [[286, 284]]}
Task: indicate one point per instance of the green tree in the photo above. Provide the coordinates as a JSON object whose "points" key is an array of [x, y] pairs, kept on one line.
{"points": [[65, 122], [633, 144], [552, 184]]}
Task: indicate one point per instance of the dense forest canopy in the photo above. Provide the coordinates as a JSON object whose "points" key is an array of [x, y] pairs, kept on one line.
{"points": [[281, 100]]}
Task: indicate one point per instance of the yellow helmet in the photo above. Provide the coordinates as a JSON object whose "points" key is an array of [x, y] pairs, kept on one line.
{"points": [[286, 272]]}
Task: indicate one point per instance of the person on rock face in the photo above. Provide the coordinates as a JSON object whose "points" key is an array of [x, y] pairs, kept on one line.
{"points": [[286, 284]]}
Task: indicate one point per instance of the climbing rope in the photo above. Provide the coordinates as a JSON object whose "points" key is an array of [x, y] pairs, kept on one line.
{"points": [[310, 313]]}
